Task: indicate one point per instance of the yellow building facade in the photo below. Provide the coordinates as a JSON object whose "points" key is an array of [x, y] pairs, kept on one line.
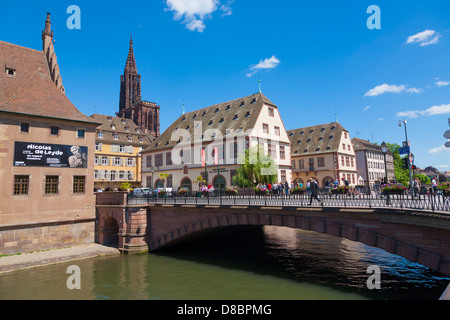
{"points": [[117, 160]]}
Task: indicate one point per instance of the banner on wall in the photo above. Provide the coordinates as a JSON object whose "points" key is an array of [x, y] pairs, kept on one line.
{"points": [[30, 154]]}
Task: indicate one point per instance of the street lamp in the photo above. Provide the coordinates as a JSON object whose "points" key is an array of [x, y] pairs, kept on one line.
{"points": [[385, 149], [411, 187]]}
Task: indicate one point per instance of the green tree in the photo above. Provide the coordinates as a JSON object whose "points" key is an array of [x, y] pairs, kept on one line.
{"points": [[401, 174], [256, 167], [423, 179], [163, 177]]}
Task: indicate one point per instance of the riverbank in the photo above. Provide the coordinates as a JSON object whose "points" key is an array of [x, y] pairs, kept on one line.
{"points": [[37, 259]]}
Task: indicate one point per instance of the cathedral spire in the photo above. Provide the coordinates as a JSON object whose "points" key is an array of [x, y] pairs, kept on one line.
{"points": [[131, 61]]}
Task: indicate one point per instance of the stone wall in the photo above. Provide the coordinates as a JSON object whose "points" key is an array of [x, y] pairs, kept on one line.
{"points": [[45, 236]]}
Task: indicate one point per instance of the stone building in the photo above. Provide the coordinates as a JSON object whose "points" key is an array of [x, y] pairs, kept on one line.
{"points": [[231, 127], [145, 114], [323, 152], [46, 154], [118, 142], [372, 164]]}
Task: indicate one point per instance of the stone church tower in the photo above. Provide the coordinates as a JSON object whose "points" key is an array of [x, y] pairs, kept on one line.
{"points": [[143, 113], [49, 51]]}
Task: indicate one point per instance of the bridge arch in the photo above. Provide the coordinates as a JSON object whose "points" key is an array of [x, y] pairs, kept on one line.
{"points": [[411, 241]]}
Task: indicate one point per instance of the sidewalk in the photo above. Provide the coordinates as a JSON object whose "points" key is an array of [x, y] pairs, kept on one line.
{"points": [[35, 259]]}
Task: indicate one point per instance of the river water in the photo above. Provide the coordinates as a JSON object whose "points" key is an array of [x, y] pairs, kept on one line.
{"points": [[270, 263]]}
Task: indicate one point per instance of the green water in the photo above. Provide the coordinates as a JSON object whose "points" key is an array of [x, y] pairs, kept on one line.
{"points": [[247, 264]]}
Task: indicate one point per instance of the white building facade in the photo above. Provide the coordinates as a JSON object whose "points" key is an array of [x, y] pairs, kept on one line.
{"points": [[187, 149]]}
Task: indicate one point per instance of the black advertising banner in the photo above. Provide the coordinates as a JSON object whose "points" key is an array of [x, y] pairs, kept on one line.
{"points": [[29, 154]]}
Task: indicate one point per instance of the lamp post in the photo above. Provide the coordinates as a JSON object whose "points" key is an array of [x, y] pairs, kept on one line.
{"points": [[411, 187], [385, 149]]}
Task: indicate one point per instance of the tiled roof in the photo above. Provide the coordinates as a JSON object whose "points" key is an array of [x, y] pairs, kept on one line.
{"points": [[360, 144], [123, 127], [322, 138], [31, 90], [232, 115]]}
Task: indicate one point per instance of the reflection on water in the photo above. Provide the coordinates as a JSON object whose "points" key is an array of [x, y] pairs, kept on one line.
{"points": [[235, 264]]}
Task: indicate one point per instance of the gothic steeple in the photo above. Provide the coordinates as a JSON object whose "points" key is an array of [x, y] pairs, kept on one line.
{"points": [[130, 82], [49, 51]]}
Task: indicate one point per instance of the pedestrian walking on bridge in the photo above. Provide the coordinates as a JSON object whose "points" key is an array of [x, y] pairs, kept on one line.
{"points": [[314, 187]]}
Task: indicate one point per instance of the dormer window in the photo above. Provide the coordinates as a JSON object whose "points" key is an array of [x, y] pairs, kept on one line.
{"points": [[221, 120], [11, 72], [242, 104], [247, 114], [228, 108], [113, 126], [195, 116], [116, 136], [204, 113], [210, 123], [217, 110], [127, 129], [236, 117], [253, 101]]}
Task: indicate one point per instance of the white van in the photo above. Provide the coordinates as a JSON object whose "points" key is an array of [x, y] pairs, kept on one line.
{"points": [[142, 192]]}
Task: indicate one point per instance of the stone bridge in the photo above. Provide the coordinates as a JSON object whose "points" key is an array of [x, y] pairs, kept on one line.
{"points": [[418, 236]]}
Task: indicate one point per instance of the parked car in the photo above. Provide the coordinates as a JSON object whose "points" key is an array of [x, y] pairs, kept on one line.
{"points": [[142, 192]]}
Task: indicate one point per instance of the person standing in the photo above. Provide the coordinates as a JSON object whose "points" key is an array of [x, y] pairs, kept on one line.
{"points": [[314, 188], [434, 186]]}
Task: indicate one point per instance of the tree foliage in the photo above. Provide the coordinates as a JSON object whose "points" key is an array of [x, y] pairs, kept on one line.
{"points": [[401, 174], [255, 167]]}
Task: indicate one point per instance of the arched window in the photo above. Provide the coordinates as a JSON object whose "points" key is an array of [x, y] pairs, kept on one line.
{"points": [[186, 183]]}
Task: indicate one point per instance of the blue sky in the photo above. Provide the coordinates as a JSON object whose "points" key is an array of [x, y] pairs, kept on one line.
{"points": [[314, 59]]}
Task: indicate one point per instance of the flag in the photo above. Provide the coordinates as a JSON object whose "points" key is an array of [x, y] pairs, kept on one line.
{"points": [[203, 158], [216, 156]]}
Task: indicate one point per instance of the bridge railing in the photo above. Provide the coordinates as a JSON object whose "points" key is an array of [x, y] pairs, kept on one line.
{"points": [[428, 202]]}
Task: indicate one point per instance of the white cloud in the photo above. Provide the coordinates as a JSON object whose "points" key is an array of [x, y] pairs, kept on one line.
{"points": [[438, 150], [266, 64], [390, 88], [424, 38], [367, 108], [432, 111], [226, 8], [443, 166], [442, 83], [194, 12]]}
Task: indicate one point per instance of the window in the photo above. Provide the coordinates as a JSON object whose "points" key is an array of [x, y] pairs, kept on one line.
{"points": [[21, 184], [54, 131], [98, 146], [117, 161], [25, 127], [271, 112], [321, 162], [169, 181], [149, 181], [131, 162], [282, 153], [265, 128], [283, 176], [185, 170], [343, 146], [51, 184], [347, 161], [277, 131], [169, 158], [345, 135], [81, 133], [158, 160], [149, 162], [96, 161], [293, 164], [343, 161], [112, 176], [116, 136], [272, 150], [351, 160], [301, 164], [79, 184], [10, 72]]}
